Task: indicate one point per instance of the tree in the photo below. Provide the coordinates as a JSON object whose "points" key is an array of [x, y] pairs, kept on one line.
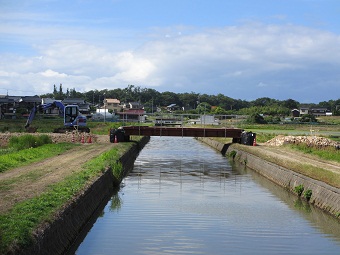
{"points": [[256, 118], [55, 92], [60, 95], [290, 104], [219, 111], [168, 98], [203, 108], [263, 101], [188, 100]]}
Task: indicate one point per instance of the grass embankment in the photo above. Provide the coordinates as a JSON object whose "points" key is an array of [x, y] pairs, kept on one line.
{"points": [[28, 149], [303, 167], [17, 224], [318, 173]]}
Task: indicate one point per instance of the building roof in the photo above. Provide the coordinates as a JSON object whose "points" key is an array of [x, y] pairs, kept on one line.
{"points": [[73, 101], [112, 100], [30, 99], [5, 100]]}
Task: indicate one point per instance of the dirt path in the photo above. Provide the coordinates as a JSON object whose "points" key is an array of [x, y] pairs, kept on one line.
{"points": [[286, 154], [25, 182]]}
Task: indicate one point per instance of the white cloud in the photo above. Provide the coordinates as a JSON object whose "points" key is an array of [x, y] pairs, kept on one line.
{"points": [[225, 60], [51, 73]]}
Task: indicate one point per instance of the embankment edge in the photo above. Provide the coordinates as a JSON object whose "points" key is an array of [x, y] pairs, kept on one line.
{"points": [[59, 235], [324, 196]]}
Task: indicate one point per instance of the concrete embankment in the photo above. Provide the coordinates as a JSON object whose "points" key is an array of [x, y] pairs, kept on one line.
{"points": [[323, 196], [57, 236]]}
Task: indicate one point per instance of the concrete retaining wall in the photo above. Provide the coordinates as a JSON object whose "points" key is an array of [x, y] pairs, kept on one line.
{"points": [[59, 235], [324, 196]]}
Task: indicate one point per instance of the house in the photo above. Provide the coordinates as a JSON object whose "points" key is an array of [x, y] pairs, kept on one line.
{"points": [[26, 104], [132, 106], [304, 110], [132, 115], [320, 112], [112, 104], [172, 107], [7, 109], [52, 111], [133, 111], [30, 100], [205, 120], [84, 107]]}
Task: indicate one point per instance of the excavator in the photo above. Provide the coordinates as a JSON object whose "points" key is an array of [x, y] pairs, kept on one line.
{"points": [[73, 120]]}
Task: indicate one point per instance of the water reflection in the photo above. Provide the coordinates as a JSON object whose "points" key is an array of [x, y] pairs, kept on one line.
{"points": [[317, 219], [184, 198], [116, 202]]}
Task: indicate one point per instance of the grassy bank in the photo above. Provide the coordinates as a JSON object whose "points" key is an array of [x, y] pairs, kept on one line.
{"points": [[330, 153], [28, 149], [302, 167], [18, 224]]}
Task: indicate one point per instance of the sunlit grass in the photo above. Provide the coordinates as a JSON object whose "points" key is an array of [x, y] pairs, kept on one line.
{"points": [[302, 167], [17, 225], [328, 153], [28, 156]]}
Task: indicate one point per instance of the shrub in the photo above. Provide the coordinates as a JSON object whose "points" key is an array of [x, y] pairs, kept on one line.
{"points": [[232, 154], [299, 189], [256, 118], [308, 194]]}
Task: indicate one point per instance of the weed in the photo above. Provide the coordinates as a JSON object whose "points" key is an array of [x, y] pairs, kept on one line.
{"points": [[28, 141], [232, 154], [308, 194], [299, 189], [117, 170]]}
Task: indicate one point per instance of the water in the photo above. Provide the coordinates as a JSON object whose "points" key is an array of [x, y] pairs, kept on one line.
{"points": [[185, 198]]}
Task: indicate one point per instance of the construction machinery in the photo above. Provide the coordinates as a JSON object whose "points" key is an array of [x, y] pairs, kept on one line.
{"points": [[73, 120]]}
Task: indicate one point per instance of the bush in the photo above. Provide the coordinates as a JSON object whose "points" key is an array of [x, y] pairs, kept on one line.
{"points": [[28, 141], [256, 118], [232, 154], [299, 189], [308, 194], [308, 118]]}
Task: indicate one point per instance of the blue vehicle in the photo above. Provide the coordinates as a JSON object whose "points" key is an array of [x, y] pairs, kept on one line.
{"points": [[73, 120]]}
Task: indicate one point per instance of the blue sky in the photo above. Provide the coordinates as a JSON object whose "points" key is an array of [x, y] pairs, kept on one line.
{"points": [[245, 49]]}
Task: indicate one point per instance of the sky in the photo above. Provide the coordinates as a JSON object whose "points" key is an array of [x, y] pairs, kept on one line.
{"points": [[244, 49]]}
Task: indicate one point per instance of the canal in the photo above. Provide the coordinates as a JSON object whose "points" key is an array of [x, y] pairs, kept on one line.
{"points": [[183, 197]]}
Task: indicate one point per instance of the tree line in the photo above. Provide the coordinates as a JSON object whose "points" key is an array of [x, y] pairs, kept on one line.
{"points": [[192, 102]]}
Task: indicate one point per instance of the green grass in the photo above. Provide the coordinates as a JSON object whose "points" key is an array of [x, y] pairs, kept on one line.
{"points": [[264, 137], [329, 153], [17, 225], [309, 170], [28, 141], [27, 156]]}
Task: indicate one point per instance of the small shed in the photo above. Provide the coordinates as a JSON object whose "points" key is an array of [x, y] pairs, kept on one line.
{"points": [[295, 113]]}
